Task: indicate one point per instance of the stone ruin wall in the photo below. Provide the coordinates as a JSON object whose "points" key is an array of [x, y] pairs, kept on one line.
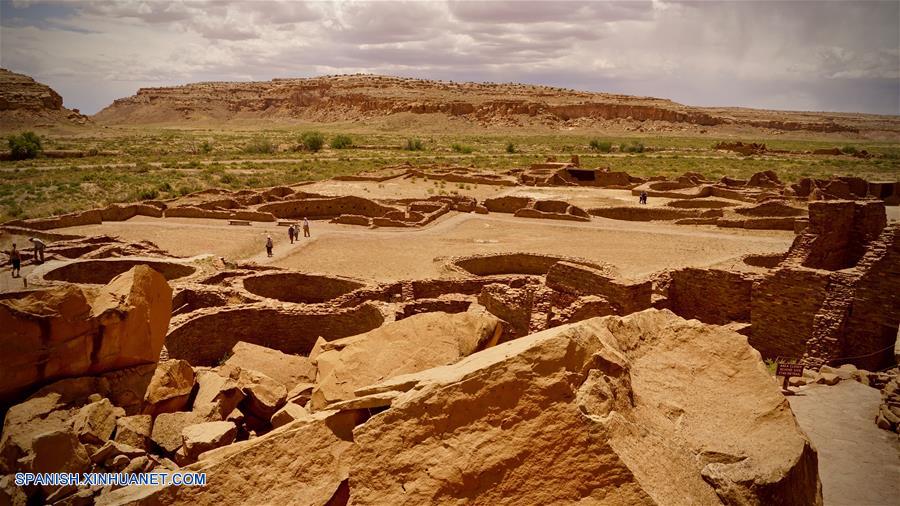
{"points": [[102, 271], [300, 287], [205, 337], [326, 208], [624, 296], [710, 295], [783, 306], [874, 313]]}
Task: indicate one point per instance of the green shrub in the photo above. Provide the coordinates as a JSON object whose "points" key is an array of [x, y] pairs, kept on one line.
{"points": [[259, 145], [25, 145], [341, 141], [601, 146], [206, 148], [634, 147], [849, 150], [510, 147], [312, 141], [227, 179], [148, 194], [461, 148], [413, 145]]}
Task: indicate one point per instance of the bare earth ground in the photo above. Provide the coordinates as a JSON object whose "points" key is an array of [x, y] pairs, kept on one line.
{"points": [[390, 254], [859, 464]]}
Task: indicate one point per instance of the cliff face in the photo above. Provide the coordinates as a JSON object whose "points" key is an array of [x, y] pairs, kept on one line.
{"points": [[362, 97], [26, 102]]}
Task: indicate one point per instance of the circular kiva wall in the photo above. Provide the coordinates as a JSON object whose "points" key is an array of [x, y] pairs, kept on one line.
{"points": [[299, 287], [515, 263], [102, 271], [208, 337]]}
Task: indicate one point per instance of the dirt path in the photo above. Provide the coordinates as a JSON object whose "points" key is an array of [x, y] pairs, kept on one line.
{"points": [[859, 464]]}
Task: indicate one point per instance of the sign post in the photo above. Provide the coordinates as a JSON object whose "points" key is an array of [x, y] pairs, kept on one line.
{"points": [[788, 370]]}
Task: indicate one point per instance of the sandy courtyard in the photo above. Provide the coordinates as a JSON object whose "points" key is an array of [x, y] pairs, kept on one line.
{"points": [[384, 254]]}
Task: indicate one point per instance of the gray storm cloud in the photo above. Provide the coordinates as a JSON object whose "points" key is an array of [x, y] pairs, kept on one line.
{"points": [[840, 56]]}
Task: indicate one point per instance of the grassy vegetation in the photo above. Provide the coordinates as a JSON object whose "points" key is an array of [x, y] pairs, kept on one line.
{"points": [[341, 141], [462, 148], [131, 164], [24, 146], [312, 141], [413, 145], [601, 146]]}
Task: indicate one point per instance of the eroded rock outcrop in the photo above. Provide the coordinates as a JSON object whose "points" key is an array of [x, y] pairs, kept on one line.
{"points": [[25, 102]]}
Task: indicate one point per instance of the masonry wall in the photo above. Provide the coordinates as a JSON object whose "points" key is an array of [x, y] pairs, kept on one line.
{"points": [[206, 338], [841, 230], [875, 306], [326, 208], [625, 296], [783, 306], [710, 295]]}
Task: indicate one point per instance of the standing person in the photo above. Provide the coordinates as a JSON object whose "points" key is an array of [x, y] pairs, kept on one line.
{"points": [[39, 246], [15, 258], [291, 233], [643, 198], [269, 245], [305, 227]]}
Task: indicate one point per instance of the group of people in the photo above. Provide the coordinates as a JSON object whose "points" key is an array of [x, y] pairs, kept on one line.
{"points": [[15, 256], [293, 234], [642, 199], [294, 230]]}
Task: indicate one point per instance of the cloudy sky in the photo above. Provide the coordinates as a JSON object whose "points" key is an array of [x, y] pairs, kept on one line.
{"points": [[799, 55]]}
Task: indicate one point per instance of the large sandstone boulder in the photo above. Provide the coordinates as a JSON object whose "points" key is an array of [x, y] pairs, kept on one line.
{"points": [[202, 437], [636, 410], [290, 370], [167, 429], [96, 422], [217, 395], [24, 422], [409, 345], [300, 463], [170, 388], [57, 451], [134, 431], [70, 330]]}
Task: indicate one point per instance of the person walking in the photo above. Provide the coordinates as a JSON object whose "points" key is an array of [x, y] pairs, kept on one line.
{"points": [[269, 245], [15, 259], [305, 227], [39, 246], [291, 233]]}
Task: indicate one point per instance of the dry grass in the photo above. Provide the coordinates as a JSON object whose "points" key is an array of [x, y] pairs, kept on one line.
{"points": [[162, 162]]}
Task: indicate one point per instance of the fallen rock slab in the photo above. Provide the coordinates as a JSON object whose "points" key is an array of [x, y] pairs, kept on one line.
{"points": [[71, 331], [96, 422], [167, 429], [202, 437], [287, 369], [134, 431], [413, 344], [633, 410], [301, 463], [170, 389]]}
